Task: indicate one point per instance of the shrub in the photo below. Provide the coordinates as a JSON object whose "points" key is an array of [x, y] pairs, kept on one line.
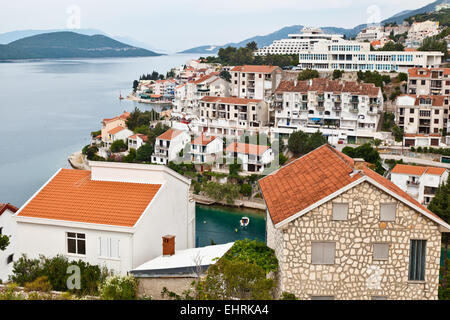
{"points": [[9, 293], [119, 146], [282, 159], [246, 190], [288, 296], [40, 284], [119, 288]]}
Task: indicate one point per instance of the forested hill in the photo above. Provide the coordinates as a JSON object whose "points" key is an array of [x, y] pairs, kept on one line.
{"points": [[69, 45]]}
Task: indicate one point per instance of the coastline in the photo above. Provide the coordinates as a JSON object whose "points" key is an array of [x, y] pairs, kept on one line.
{"points": [[78, 161]]}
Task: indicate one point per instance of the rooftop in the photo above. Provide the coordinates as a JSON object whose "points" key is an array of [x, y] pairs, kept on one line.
{"points": [[203, 140], [245, 148], [7, 206], [184, 262], [124, 116], [71, 195], [116, 130], [255, 69], [417, 170], [230, 100], [299, 186], [170, 134]]}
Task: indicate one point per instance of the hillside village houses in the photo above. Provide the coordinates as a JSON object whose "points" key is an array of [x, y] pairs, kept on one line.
{"points": [[206, 149], [114, 215], [169, 144], [136, 141], [8, 228], [345, 110], [253, 158], [112, 129], [419, 182], [341, 231], [419, 31], [429, 81]]}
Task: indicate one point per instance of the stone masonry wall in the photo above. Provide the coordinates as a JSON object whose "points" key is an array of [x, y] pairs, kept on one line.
{"points": [[355, 275]]}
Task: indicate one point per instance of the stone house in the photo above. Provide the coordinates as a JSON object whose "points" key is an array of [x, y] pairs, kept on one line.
{"points": [[341, 231]]}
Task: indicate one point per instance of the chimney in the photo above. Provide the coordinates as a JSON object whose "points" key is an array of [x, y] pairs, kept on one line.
{"points": [[168, 245], [360, 164]]}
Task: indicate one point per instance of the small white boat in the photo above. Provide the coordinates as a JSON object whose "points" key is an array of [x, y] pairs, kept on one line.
{"points": [[245, 221]]}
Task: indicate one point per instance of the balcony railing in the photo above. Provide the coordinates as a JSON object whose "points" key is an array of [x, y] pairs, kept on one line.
{"points": [[413, 183]]}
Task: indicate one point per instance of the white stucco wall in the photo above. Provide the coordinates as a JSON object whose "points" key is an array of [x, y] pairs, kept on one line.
{"points": [[9, 228]]}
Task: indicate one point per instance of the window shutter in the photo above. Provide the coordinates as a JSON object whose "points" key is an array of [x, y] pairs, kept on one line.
{"points": [[104, 247], [323, 252], [380, 251], [387, 211], [115, 248], [340, 211]]}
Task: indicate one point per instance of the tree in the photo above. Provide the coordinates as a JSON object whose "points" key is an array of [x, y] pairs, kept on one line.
{"points": [[144, 153], [298, 142], [376, 143], [118, 146], [130, 157], [435, 44], [135, 85], [337, 74], [224, 74], [308, 74], [440, 205], [392, 46], [402, 77], [4, 242], [398, 133], [316, 140], [246, 189], [252, 46]]}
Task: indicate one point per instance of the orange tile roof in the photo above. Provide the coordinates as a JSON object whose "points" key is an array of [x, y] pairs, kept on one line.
{"points": [[417, 170], [116, 130], [72, 196], [245, 148], [256, 69], [423, 135], [204, 78], [7, 206], [436, 101], [312, 178], [142, 136], [203, 140], [323, 85], [170, 134], [123, 116], [229, 100]]}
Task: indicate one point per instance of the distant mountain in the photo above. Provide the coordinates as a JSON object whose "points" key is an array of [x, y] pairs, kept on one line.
{"points": [[283, 33], [69, 45], [11, 36]]}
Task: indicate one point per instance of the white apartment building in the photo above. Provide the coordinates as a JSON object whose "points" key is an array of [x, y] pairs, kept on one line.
{"points": [[423, 114], [419, 31], [419, 182], [371, 33], [112, 216], [165, 88], [168, 146], [254, 82], [342, 107], [206, 149], [253, 158], [188, 95], [118, 133], [8, 228], [425, 81], [355, 56], [136, 141], [297, 43], [231, 116]]}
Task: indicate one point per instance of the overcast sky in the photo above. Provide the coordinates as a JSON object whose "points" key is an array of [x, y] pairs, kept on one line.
{"points": [[175, 25]]}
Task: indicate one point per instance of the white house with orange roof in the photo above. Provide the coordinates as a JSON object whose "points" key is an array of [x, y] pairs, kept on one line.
{"points": [[136, 141], [419, 182], [341, 231], [118, 133], [8, 228], [113, 216], [252, 157], [168, 146], [206, 149], [112, 125]]}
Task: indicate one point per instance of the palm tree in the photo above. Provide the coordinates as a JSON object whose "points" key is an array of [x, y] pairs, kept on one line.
{"points": [[376, 143]]}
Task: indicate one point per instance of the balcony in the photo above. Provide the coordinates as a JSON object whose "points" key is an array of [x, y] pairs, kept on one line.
{"points": [[354, 110], [320, 98], [412, 183], [354, 100]]}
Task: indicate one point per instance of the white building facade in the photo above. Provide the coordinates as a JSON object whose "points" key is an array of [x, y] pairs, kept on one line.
{"points": [[168, 146], [8, 228]]}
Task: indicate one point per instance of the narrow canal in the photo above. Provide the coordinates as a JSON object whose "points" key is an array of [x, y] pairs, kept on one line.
{"points": [[219, 225]]}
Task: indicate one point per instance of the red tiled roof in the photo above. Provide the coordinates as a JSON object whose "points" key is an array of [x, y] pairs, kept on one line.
{"points": [[437, 101], [322, 85], [116, 130], [123, 116], [142, 136], [72, 196], [312, 178], [229, 100], [203, 140], [422, 135], [417, 170], [256, 69], [204, 78], [414, 72], [7, 206], [170, 134], [245, 148]]}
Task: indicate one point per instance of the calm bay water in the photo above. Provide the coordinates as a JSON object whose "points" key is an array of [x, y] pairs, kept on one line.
{"points": [[48, 109]]}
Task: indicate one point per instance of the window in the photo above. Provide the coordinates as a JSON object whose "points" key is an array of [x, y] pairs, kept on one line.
{"points": [[379, 298], [387, 211], [109, 247], [10, 259], [76, 243], [340, 211], [380, 251], [417, 260], [322, 298], [323, 252]]}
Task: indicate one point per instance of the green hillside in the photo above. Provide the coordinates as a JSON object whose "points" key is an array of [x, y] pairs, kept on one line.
{"points": [[69, 45]]}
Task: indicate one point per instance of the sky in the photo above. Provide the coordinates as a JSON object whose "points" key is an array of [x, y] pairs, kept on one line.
{"points": [[175, 25]]}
